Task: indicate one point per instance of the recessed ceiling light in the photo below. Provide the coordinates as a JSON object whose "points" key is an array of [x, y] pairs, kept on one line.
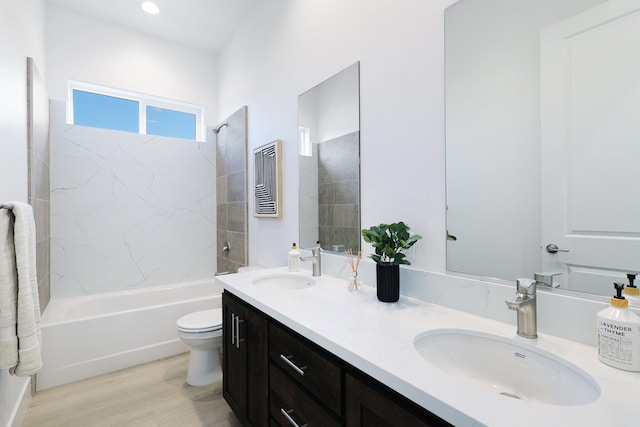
{"points": [[150, 7]]}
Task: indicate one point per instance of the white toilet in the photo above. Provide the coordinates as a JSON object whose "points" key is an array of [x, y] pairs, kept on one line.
{"points": [[202, 332]]}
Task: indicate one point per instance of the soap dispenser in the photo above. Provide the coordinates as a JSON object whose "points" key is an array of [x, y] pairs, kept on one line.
{"points": [[294, 258], [631, 291], [619, 334]]}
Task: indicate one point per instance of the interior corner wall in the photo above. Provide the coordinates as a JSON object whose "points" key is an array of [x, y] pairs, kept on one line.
{"points": [[22, 35], [83, 48], [286, 47]]}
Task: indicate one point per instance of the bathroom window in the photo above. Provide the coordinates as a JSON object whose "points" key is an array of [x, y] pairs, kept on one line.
{"points": [[167, 122], [102, 107], [304, 141]]}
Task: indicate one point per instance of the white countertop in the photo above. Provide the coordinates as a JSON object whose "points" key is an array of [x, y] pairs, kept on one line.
{"points": [[377, 338]]}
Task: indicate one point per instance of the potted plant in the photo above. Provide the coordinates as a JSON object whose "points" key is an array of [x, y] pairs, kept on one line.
{"points": [[389, 241]]}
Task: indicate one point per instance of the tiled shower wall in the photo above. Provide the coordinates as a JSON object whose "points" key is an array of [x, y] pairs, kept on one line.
{"points": [[38, 189], [339, 192], [231, 190], [127, 210]]}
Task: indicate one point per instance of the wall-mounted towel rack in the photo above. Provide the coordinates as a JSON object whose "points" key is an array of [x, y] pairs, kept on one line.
{"points": [[6, 206]]}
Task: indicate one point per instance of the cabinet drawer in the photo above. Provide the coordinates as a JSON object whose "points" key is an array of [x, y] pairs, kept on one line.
{"points": [[309, 365], [289, 405]]}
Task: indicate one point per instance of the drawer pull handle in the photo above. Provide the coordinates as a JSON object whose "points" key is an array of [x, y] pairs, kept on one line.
{"points": [[287, 360], [287, 415]]}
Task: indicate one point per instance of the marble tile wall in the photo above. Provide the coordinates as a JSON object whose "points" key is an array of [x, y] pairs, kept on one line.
{"points": [[38, 175], [128, 210], [232, 205], [339, 192]]}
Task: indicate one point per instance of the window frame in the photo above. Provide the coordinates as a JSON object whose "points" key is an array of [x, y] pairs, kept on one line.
{"points": [[143, 101], [305, 146]]}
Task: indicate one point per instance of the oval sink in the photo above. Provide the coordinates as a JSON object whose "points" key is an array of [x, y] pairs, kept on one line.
{"points": [[284, 281], [507, 367]]}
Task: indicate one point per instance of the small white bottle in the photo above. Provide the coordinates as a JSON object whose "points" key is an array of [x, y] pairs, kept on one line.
{"points": [[294, 258], [619, 334]]}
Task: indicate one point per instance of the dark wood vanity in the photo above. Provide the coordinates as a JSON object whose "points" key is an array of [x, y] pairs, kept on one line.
{"points": [[273, 376]]}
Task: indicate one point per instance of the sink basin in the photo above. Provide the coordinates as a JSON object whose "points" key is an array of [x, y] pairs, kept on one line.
{"points": [[506, 367], [284, 281]]}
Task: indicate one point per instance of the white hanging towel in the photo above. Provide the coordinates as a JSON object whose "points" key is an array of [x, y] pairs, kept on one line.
{"points": [[8, 293], [27, 306]]}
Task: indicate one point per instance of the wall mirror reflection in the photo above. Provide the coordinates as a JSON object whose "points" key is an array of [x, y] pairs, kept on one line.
{"points": [[542, 131], [329, 162]]}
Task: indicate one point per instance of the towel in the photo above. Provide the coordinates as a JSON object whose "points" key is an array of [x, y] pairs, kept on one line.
{"points": [[8, 293], [27, 309]]}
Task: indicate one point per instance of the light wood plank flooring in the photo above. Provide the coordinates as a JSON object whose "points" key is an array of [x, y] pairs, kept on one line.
{"points": [[153, 394]]}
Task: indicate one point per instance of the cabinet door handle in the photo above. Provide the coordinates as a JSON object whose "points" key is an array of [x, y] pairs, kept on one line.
{"points": [[287, 415], [287, 360], [238, 339], [233, 329]]}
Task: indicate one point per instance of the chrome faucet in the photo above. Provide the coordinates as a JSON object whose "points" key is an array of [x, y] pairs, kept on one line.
{"points": [[525, 303], [315, 259], [546, 279]]}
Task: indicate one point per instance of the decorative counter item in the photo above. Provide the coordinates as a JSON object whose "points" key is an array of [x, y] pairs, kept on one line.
{"points": [[389, 241], [353, 284]]}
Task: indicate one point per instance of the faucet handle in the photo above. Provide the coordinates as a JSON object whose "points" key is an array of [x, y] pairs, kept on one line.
{"points": [[526, 286], [546, 279]]}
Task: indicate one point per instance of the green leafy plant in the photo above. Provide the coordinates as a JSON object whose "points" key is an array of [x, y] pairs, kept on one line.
{"points": [[389, 241]]}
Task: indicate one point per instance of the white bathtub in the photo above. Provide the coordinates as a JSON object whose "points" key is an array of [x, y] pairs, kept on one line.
{"points": [[91, 335]]}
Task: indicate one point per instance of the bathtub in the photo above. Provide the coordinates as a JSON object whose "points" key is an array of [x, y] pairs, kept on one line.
{"points": [[95, 334]]}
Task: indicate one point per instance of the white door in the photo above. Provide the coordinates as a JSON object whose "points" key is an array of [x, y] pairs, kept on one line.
{"points": [[590, 130]]}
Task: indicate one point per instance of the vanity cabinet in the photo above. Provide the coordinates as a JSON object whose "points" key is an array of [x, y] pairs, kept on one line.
{"points": [[370, 404], [245, 361], [275, 377]]}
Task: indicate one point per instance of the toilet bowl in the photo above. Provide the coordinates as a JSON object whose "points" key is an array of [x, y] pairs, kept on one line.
{"points": [[202, 332]]}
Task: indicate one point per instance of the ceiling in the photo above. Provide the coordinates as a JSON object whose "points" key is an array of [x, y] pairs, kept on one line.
{"points": [[204, 24]]}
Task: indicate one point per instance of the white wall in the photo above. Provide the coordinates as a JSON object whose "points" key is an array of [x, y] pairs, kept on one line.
{"points": [[21, 32], [86, 49], [21, 35], [289, 46]]}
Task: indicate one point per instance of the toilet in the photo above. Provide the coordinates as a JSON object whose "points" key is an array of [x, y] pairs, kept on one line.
{"points": [[202, 332]]}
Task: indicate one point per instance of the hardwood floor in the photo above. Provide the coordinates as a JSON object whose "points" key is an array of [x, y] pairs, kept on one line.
{"points": [[154, 394]]}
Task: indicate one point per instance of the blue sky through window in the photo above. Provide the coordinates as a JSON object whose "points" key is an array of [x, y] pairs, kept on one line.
{"points": [[110, 108], [102, 111], [164, 122]]}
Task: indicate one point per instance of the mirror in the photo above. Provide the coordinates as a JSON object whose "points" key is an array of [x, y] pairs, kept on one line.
{"points": [[329, 162], [542, 140]]}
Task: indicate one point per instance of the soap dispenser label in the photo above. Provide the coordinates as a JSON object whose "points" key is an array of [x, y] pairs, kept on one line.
{"points": [[619, 344]]}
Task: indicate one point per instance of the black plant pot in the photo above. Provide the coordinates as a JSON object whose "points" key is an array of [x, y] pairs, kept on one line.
{"points": [[388, 282]]}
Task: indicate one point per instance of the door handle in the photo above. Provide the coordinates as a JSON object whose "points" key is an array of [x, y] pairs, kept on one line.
{"points": [[552, 248]]}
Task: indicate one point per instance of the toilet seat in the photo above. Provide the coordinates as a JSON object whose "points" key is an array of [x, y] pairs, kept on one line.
{"points": [[201, 321]]}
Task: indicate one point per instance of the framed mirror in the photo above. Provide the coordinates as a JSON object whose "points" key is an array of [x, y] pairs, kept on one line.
{"points": [[542, 140], [329, 162]]}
